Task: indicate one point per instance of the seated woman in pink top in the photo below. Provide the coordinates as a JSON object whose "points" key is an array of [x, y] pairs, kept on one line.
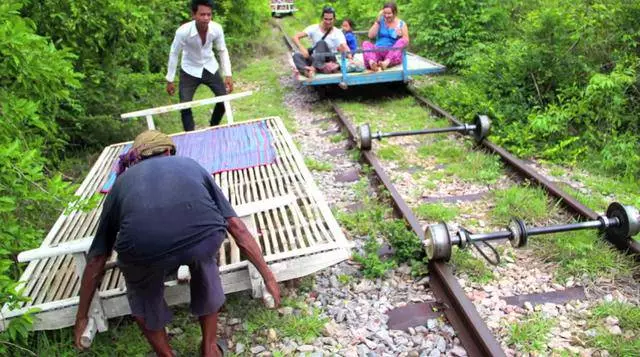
{"points": [[390, 32]]}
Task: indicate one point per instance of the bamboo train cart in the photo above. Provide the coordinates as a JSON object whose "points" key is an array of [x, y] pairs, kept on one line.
{"points": [[279, 202], [412, 65]]}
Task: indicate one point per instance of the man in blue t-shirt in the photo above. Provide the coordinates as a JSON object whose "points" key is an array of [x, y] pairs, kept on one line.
{"points": [[162, 212]]}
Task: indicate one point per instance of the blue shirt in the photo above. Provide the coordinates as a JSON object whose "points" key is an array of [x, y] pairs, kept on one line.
{"points": [[387, 37], [158, 207], [352, 42]]}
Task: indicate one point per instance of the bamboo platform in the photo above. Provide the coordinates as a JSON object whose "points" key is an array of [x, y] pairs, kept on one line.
{"points": [[297, 239]]}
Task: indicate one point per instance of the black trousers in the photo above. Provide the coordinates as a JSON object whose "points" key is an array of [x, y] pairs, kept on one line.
{"points": [[187, 88], [318, 58]]}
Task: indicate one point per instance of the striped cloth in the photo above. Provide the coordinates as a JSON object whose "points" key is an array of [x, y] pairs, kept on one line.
{"points": [[229, 148]]}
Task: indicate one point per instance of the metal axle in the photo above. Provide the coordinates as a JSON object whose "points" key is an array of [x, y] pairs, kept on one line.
{"points": [[466, 128], [621, 222], [479, 129]]}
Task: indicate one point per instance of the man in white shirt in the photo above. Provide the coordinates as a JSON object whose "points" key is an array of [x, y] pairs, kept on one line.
{"points": [[326, 39], [196, 39]]}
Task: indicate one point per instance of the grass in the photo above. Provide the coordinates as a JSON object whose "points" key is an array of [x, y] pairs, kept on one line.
{"points": [[345, 279], [525, 202], [444, 151], [593, 200], [582, 253], [627, 344], [315, 165], [338, 138], [627, 314], [392, 152], [389, 114], [461, 161], [531, 334], [304, 325], [436, 212], [557, 171], [476, 269], [625, 191]]}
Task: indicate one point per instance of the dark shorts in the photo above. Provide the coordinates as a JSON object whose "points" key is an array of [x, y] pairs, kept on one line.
{"points": [[145, 283]]}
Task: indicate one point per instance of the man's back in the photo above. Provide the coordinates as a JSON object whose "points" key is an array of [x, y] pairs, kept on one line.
{"points": [[164, 204]]}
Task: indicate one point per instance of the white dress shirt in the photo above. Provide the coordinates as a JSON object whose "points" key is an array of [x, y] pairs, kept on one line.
{"points": [[195, 55]]}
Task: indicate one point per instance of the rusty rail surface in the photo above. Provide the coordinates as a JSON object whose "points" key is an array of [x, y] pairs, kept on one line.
{"points": [[570, 202], [474, 334]]}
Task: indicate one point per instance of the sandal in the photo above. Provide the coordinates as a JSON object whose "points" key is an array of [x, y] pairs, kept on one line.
{"points": [[222, 346]]}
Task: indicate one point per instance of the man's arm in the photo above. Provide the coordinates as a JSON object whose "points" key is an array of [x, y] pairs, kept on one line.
{"points": [[91, 278], [296, 40], [225, 62], [100, 251], [172, 65], [251, 250]]}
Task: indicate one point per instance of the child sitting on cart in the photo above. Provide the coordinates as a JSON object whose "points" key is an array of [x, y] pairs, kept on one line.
{"points": [[354, 65]]}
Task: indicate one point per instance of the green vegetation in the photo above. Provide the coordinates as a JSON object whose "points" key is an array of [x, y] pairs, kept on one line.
{"points": [[316, 165], [391, 152], [524, 202], [338, 138], [460, 160], [475, 268], [554, 86], [627, 314], [583, 253], [374, 221], [627, 344], [345, 279], [531, 334], [303, 326], [436, 212], [372, 266], [389, 114]]}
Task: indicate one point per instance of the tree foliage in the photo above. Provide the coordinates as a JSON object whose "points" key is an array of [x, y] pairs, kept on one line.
{"points": [[561, 79]]}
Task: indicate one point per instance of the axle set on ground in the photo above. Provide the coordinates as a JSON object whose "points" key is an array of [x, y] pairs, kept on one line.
{"points": [[479, 129], [619, 223]]}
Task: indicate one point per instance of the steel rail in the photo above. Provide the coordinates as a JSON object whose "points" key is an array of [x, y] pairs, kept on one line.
{"points": [[570, 202], [474, 334]]}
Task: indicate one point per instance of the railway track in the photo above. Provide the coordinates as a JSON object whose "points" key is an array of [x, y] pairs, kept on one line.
{"points": [[475, 335]]}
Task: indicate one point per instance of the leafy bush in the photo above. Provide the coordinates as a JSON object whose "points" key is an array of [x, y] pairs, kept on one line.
{"points": [[36, 85], [561, 83], [446, 30], [372, 266]]}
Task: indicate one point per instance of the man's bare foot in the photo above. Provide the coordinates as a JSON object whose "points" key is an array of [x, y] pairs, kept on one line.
{"points": [[384, 64], [310, 72], [374, 66]]}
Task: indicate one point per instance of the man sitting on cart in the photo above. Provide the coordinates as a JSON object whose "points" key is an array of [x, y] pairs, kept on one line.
{"points": [[326, 41]]}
